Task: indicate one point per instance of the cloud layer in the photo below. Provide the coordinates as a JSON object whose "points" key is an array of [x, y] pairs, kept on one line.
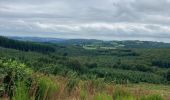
{"points": [[99, 19]]}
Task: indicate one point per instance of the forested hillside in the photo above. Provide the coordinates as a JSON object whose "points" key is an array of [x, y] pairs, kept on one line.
{"points": [[97, 44], [50, 71], [25, 46]]}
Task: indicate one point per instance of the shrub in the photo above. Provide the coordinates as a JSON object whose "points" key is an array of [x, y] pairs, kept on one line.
{"points": [[14, 72], [18, 70], [75, 65], [91, 65]]}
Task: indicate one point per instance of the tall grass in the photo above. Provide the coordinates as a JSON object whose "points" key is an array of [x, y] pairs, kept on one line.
{"points": [[96, 84], [72, 81], [120, 94], [83, 95], [102, 96], [46, 89], [152, 97], [72, 88], [21, 92]]}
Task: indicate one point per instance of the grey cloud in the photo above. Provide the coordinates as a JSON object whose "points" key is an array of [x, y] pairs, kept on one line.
{"points": [[100, 19]]}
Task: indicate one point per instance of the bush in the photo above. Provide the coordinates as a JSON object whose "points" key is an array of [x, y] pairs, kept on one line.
{"points": [[91, 65], [75, 65], [14, 72]]}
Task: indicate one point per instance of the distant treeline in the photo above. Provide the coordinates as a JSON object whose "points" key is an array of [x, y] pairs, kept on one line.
{"points": [[25, 46]]}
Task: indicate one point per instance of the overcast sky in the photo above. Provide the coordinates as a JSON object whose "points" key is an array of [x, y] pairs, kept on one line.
{"points": [[97, 19]]}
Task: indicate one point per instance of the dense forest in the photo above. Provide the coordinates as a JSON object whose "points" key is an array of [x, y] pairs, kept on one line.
{"points": [[82, 69], [25, 46]]}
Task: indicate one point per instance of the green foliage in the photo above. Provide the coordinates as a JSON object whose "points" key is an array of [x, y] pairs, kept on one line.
{"points": [[75, 65], [14, 72], [164, 63], [152, 97], [123, 76], [18, 70], [168, 75], [91, 65], [111, 68]]}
